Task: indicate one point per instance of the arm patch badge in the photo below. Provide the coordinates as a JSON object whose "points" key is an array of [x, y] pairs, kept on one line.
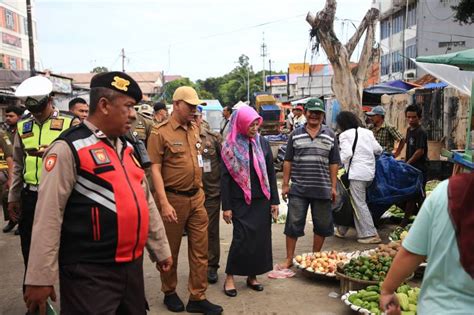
{"points": [[100, 156]]}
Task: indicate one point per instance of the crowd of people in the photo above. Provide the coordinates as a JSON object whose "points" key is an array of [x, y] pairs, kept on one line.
{"points": [[92, 188]]}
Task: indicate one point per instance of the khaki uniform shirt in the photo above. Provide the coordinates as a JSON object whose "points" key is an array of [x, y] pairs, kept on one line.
{"points": [[211, 155], [55, 188], [19, 162], [6, 145], [141, 127], [176, 149]]}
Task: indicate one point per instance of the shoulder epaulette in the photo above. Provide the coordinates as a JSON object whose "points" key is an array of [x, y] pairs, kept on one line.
{"points": [[64, 113], [26, 117]]}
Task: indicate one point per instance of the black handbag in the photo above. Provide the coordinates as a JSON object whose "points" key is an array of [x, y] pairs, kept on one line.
{"points": [[345, 176]]}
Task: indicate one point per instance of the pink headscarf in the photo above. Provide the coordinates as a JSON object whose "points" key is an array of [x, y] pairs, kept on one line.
{"points": [[235, 152]]}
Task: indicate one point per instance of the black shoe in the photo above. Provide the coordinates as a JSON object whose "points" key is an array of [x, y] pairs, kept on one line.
{"points": [[256, 287], [174, 303], [10, 225], [204, 307], [212, 276], [231, 292], [17, 232]]}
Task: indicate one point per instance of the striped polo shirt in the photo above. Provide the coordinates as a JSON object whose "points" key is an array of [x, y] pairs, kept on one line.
{"points": [[310, 159]]}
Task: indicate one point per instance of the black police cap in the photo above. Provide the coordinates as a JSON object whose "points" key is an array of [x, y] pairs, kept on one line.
{"points": [[119, 82], [158, 106]]}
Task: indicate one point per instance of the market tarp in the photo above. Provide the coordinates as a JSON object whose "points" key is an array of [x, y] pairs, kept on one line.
{"points": [[402, 84], [372, 95], [452, 75], [438, 85], [394, 182], [464, 59], [381, 89]]}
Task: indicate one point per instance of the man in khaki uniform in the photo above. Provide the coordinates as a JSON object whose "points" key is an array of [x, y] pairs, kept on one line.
{"points": [[175, 151], [211, 178], [142, 125], [95, 213], [6, 170]]}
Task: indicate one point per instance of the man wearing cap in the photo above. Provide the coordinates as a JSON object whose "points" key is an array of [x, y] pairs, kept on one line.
{"points": [[143, 123], [311, 161], [297, 119], [175, 150], [385, 134], [211, 177], [35, 133], [160, 112], [95, 213]]}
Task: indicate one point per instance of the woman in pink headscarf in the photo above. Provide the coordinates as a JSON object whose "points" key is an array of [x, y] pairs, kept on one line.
{"points": [[249, 199]]}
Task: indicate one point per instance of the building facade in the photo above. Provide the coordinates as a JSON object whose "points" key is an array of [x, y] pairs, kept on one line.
{"points": [[411, 28], [14, 48]]}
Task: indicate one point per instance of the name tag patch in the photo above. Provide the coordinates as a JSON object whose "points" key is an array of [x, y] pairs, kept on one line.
{"points": [[100, 156], [56, 124]]}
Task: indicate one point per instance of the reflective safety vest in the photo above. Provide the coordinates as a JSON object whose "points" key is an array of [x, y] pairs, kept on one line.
{"points": [[34, 136], [106, 216]]}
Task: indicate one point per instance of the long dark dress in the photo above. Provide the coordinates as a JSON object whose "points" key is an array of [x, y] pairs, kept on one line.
{"points": [[250, 253]]}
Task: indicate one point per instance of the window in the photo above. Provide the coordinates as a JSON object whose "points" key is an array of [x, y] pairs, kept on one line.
{"points": [[385, 64], [384, 29], [25, 26], [396, 61], [9, 21], [410, 52], [12, 63], [411, 14]]}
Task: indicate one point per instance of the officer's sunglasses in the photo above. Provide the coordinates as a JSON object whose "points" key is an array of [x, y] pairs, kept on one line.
{"points": [[32, 102]]}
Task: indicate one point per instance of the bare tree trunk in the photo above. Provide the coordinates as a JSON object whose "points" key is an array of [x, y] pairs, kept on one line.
{"points": [[347, 85]]}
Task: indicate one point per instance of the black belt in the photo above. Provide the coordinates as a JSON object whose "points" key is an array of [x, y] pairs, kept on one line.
{"points": [[187, 193]]}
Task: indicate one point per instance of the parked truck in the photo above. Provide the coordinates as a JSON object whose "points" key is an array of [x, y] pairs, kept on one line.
{"points": [[266, 106]]}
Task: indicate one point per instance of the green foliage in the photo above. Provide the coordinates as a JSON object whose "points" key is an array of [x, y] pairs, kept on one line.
{"points": [[464, 12], [228, 89], [99, 70], [170, 87]]}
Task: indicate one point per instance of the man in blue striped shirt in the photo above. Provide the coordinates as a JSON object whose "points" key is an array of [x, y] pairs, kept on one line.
{"points": [[311, 161]]}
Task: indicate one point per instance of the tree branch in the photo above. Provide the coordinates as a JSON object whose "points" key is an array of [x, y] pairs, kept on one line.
{"points": [[370, 17], [323, 25]]}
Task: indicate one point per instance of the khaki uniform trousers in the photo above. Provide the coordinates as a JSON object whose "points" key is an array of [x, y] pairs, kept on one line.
{"points": [[193, 216], [213, 207]]}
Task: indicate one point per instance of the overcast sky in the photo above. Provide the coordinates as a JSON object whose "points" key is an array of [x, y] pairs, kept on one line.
{"points": [[193, 38]]}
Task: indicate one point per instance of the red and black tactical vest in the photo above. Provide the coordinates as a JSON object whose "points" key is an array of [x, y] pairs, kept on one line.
{"points": [[106, 216]]}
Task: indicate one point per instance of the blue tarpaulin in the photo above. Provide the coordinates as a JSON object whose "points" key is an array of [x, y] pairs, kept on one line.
{"points": [[401, 84], [394, 182], [438, 85]]}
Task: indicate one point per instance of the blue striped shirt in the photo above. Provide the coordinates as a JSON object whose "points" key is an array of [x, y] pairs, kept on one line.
{"points": [[310, 159]]}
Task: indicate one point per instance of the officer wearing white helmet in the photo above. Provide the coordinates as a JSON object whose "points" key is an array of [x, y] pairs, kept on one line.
{"points": [[34, 134]]}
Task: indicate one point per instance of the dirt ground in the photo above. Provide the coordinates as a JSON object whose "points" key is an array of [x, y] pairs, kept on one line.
{"points": [[297, 295]]}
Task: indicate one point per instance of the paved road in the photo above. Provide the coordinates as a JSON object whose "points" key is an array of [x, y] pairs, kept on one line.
{"points": [[298, 295]]}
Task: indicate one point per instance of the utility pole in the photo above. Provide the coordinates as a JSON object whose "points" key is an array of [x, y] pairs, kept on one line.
{"points": [[263, 54], [404, 61], [248, 84], [270, 70], [30, 38], [122, 54]]}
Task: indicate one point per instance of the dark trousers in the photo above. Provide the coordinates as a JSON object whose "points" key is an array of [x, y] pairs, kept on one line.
{"points": [[4, 195], [213, 208], [25, 224], [106, 289]]}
